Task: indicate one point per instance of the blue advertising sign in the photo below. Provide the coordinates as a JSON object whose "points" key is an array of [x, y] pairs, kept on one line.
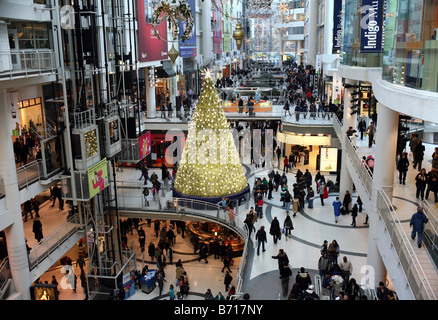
{"points": [[371, 26], [187, 48], [337, 26]]}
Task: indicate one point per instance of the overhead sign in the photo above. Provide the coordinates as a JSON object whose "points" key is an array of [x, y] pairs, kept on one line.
{"points": [[371, 25], [337, 26]]}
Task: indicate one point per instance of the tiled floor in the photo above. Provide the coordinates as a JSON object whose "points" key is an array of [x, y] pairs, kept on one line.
{"points": [[311, 228]]}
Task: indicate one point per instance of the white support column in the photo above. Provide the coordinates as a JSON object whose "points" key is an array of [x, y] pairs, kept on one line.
{"points": [[346, 183], [150, 94], [16, 245], [383, 177]]}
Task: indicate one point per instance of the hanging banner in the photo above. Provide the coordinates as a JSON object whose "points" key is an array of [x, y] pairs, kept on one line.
{"points": [[217, 27], [150, 46], [187, 48], [145, 144], [98, 177], [337, 26], [371, 25], [226, 9]]}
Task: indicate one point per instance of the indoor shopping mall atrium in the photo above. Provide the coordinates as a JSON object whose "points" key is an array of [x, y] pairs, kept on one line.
{"points": [[218, 150]]}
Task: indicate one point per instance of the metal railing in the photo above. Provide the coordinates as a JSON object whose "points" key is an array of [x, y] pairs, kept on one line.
{"points": [[29, 174], [130, 197], [25, 63], [50, 243], [5, 275], [431, 228], [364, 172], [308, 118], [416, 278], [84, 119]]}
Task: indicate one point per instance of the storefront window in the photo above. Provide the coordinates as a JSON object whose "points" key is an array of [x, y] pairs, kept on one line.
{"points": [[31, 114], [32, 35], [411, 55], [351, 46]]}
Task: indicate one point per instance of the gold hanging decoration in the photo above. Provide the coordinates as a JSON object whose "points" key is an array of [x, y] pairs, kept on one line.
{"points": [[238, 35], [173, 54]]}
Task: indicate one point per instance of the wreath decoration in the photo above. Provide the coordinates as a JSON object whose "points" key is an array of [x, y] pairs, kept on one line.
{"points": [[174, 12]]}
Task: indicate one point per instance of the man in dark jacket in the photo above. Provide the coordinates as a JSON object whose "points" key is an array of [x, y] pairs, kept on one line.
{"points": [[303, 279], [282, 258], [261, 239], [417, 223]]}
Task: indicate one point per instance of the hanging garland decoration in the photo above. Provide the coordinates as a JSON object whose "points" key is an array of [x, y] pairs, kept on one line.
{"points": [[174, 12]]}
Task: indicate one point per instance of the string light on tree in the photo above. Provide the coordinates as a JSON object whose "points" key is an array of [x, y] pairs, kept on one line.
{"points": [[210, 164]]}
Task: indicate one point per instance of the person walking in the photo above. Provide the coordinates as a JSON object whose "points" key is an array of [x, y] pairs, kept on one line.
{"points": [[259, 206], [346, 269], [282, 258], [227, 281], [80, 262], [286, 164], [27, 208], [295, 205], [371, 131], [418, 220], [321, 190], [227, 263], [310, 197], [337, 208], [270, 188], [287, 199], [288, 226], [303, 279], [402, 167], [36, 207], [275, 229], [37, 229], [354, 215], [432, 184], [418, 155], [323, 264], [141, 238], [285, 273], [346, 202], [261, 239], [420, 183]]}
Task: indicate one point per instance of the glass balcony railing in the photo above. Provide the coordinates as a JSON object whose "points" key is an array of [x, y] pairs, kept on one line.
{"points": [[26, 63], [408, 260]]}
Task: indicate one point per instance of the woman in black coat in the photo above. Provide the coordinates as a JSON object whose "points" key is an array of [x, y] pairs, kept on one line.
{"points": [[402, 167], [275, 229], [37, 229]]}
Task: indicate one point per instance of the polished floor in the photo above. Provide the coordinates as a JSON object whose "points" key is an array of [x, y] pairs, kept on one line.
{"points": [[311, 228]]}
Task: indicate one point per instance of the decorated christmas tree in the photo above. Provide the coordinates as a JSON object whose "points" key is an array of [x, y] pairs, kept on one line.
{"points": [[210, 164]]}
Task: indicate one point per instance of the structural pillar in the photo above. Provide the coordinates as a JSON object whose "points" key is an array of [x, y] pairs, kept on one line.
{"points": [[16, 244], [383, 177], [345, 182], [150, 92]]}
